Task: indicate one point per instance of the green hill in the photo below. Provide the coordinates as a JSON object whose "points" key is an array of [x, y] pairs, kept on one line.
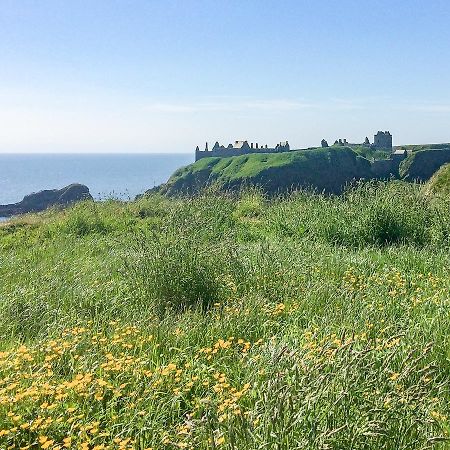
{"points": [[328, 170], [440, 181]]}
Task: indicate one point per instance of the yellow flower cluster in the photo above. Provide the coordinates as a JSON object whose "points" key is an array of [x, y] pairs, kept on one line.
{"points": [[243, 346], [83, 390], [423, 288]]}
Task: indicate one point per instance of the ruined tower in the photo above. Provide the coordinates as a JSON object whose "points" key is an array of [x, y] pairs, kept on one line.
{"points": [[383, 139]]}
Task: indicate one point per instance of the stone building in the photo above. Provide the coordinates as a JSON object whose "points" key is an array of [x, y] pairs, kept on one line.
{"points": [[383, 139], [399, 155], [386, 168], [239, 148]]}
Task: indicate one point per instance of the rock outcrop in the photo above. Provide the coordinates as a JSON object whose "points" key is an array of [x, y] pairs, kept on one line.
{"points": [[42, 200]]}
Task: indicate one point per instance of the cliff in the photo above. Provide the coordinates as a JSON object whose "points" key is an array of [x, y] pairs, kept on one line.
{"points": [[327, 170], [421, 165], [42, 200]]}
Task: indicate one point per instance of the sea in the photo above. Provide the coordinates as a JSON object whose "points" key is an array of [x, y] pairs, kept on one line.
{"points": [[119, 176]]}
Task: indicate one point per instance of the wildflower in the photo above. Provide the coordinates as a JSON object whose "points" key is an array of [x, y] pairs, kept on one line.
{"points": [[279, 309], [438, 416]]}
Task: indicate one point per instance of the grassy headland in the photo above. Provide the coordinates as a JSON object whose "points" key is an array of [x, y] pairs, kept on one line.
{"points": [[229, 322], [326, 169]]}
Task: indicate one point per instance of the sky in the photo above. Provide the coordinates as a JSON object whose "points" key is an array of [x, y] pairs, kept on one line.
{"points": [[165, 76]]}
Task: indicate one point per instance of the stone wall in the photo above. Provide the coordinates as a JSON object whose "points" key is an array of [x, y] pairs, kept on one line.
{"points": [[226, 152], [385, 168]]}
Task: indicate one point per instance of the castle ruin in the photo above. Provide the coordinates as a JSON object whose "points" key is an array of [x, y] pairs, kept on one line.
{"points": [[383, 139], [239, 148]]}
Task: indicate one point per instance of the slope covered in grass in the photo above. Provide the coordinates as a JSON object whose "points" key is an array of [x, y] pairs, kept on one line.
{"points": [[440, 182], [228, 322], [328, 169]]}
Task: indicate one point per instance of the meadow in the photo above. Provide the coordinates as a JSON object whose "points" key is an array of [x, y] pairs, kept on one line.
{"points": [[229, 322]]}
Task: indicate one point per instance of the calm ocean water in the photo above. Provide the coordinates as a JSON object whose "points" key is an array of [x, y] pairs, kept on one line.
{"points": [[107, 175]]}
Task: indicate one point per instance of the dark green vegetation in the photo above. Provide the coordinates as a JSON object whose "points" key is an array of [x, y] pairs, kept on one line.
{"points": [[231, 322], [328, 169], [421, 165], [371, 153]]}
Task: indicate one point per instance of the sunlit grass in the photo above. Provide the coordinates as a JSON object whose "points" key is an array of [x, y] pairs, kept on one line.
{"points": [[234, 323]]}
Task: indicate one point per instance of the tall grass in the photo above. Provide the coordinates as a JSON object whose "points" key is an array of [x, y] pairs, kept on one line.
{"points": [[235, 322], [173, 273]]}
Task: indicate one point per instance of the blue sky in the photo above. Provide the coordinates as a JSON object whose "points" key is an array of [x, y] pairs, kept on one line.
{"points": [[164, 76]]}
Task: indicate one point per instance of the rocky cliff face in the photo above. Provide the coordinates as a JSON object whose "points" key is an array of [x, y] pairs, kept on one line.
{"points": [[42, 200], [421, 165]]}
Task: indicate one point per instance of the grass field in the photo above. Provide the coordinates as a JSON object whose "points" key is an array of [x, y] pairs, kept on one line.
{"points": [[220, 322]]}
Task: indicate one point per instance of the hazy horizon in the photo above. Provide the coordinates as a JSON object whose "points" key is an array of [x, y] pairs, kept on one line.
{"points": [[163, 77]]}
